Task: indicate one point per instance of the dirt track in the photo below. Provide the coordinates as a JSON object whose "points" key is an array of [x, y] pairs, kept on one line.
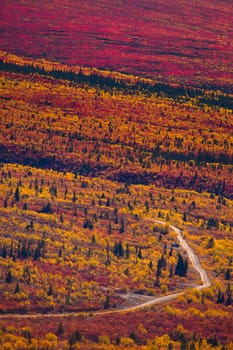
{"points": [[158, 300]]}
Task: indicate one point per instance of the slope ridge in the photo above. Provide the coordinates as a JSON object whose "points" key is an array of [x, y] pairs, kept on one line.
{"points": [[182, 41]]}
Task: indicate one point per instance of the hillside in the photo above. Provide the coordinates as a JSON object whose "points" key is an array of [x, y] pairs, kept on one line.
{"points": [[116, 175], [182, 41], [88, 158], [116, 132]]}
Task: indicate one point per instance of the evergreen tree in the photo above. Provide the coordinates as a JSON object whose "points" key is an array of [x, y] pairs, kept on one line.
{"points": [[140, 253], [75, 337], [118, 249], [50, 290], [17, 289], [60, 252], [9, 277], [203, 298], [4, 252], [228, 274], [220, 298], [192, 346], [5, 203], [107, 302], [147, 206], [60, 329], [171, 271], [165, 248], [181, 267], [228, 296], [127, 251], [61, 218], [11, 249], [17, 195], [109, 228], [158, 270], [47, 209], [134, 337], [122, 227], [183, 343], [74, 197]]}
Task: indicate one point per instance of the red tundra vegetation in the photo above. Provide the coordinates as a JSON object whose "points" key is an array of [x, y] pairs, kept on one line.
{"points": [[88, 160], [185, 41]]}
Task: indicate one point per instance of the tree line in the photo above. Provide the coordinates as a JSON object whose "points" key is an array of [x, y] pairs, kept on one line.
{"points": [[98, 80]]}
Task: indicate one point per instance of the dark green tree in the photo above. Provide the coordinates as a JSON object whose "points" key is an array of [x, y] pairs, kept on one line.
{"points": [[75, 337], [127, 251], [9, 277], [140, 253], [107, 302], [17, 195], [4, 252], [228, 295], [50, 290], [60, 329], [17, 289], [74, 197], [181, 266], [47, 209], [109, 228], [228, 274], [122, 227]]}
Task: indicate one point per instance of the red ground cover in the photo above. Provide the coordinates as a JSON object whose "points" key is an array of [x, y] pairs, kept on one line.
{"points": [[188, 41]]}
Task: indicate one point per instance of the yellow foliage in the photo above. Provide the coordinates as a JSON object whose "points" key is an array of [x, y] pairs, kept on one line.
{"points": [[127, 342], [194, 312], [51, 337], [162, 341], [216, 313], [141, 329], [173, 310], [104, 339]]}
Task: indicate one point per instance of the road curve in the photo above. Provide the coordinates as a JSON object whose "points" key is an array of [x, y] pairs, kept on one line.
{"points": [[158, 300], [194, 259]]}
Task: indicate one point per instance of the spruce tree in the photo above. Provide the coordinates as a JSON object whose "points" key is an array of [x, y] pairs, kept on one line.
{"points": [[17, 289], [9, 277], [60, 329], [17, 195]]}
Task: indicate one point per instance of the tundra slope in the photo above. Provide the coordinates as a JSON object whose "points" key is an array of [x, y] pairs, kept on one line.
{"points": [[181, 41], [166, 298]]}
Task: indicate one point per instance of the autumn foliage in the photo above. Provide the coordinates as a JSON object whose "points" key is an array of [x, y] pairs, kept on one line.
{"points": [[181, 41], [88, 160]]}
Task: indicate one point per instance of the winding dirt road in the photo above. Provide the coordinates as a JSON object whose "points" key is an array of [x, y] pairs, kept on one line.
{"points": [[158, 300]]}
